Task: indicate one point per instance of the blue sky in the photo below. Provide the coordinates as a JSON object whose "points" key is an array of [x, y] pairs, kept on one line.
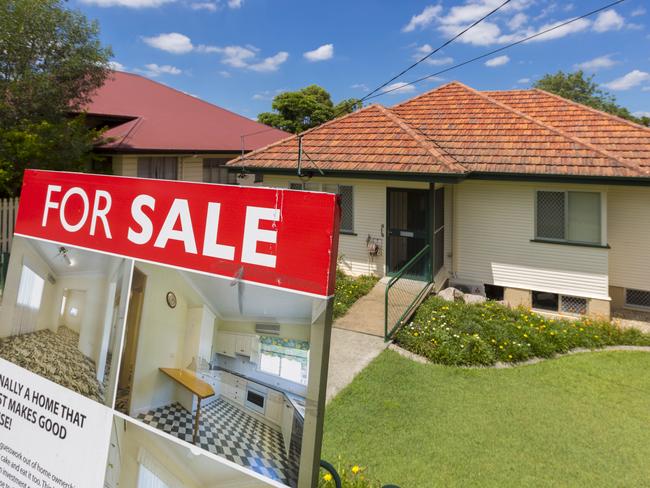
{"points": [[239, 53]]}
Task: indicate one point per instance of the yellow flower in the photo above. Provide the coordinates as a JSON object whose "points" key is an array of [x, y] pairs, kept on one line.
{"points": [[355, 469], [327, 477]]}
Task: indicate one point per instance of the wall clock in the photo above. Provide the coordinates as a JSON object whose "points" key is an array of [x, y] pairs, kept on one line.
{"points": [[171, 299]]}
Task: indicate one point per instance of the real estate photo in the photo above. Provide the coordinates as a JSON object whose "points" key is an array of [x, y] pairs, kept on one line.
{"points": [[220, 364], [139, 458], [62, 315]]}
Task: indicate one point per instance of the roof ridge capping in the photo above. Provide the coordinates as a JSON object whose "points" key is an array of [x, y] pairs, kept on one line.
{"points": [[588, 145], [445, 159], [233, 162], [592, 109]]}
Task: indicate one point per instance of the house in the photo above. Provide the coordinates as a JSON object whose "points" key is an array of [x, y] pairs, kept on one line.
{"points": [[155, 131], [524, 195]]}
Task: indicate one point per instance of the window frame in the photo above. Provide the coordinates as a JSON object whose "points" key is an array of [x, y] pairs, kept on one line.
{"points": [[319, 187], [631, 306], [602, 241], [279, 374]]}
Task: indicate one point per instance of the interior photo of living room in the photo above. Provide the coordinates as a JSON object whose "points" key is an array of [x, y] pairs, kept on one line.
{"points": [[220, 364], [139, 458], [62, 315]]}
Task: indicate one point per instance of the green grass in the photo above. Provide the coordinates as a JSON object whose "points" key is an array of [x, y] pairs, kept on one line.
{"points": [[349, 289], [455, 333], [579, 420]]}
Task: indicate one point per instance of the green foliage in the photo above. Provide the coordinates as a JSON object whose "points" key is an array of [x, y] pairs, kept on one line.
{"points": [[51, 63], [349, 289], [459, 334], [352, 476], [308, 107], [582, 89]]}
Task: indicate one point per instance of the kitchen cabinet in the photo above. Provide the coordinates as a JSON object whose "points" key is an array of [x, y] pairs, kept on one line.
{"points": [[234, 387], [243, 345], [226, 344], [287, 423], [275, 402]]}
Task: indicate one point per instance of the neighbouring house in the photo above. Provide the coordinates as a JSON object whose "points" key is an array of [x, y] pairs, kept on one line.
{"points": [[156, 131], [522, 194]]}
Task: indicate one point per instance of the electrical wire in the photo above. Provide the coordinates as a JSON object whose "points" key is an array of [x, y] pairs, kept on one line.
{"points": [[445, 44], [494, 51]]}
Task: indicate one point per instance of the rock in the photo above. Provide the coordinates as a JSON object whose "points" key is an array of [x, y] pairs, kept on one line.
{"points": [[450, 294], [469, 298]]}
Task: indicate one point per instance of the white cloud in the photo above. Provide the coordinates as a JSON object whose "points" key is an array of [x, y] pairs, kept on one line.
{"points": [[322, 53], [225, 74], [498, 61], [641, 113], [235, 3], [638, 12], [235, 56], [577, 26], [518, 21], [399, 88], [127, 3], [608, 20], [172, 42], [423, 19], [523, 81], [360, 86], [115, 66], [601, 62], [424, 49], [271, 63], [268, 94], [209, 6], [632, 79], [645, 88], [153, 70]]}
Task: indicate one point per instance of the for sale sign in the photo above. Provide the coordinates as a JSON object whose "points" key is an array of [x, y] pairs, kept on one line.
{"points": [[164, 333]]}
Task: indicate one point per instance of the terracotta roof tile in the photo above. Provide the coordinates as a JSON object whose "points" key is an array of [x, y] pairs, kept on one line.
{"points": [[454, 129]]}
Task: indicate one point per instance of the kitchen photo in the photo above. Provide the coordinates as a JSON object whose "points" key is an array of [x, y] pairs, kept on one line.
{"points": [[62, 315], [141, 458], [220, 364]]}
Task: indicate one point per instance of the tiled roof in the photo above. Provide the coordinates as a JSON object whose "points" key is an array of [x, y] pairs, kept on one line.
{"points": [[155, 117], [454, 129]]}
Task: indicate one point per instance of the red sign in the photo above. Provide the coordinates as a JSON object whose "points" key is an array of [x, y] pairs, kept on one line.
{"points": [[280, 238]]}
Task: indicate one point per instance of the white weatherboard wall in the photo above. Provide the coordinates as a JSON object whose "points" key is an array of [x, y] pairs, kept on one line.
{"points": [[369, 216], [629, 237], [190, 168], [493, 225]]}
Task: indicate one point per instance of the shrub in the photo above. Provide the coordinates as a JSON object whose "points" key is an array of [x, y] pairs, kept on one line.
{"points": [[349, 289], [460, 334], [352, 476]]}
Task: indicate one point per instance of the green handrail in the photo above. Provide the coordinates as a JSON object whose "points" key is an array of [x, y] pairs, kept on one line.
{"points": [[395, 279]]}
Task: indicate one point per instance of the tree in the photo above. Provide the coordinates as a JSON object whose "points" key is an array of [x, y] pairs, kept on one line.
{"points": [[582, 89], [308, 107], [51, 62]]}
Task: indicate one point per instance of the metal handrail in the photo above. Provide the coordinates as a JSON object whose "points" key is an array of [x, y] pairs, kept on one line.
{"points": [[395, 279]]}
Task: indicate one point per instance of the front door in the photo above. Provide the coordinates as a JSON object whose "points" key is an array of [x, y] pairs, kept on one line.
{"points": [[408, 229]]}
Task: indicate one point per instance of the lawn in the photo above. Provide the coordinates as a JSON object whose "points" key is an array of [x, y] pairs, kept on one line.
{"points": [[578, 420], [349, 289]]}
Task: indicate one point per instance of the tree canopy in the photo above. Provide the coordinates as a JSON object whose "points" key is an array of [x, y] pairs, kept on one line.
{"points": [[305, 108], [51, 63], [582, 89]]}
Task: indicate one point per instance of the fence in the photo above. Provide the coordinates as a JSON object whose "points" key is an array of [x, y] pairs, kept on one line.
{"points": [[406, 289], [8, 211]]}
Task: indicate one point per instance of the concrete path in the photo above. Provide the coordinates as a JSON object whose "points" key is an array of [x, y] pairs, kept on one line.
{"points": [[350, 352], [367, 313]]}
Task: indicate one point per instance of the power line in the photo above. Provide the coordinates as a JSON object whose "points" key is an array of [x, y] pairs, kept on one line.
{"points": [[445, 44], [490, 53]]}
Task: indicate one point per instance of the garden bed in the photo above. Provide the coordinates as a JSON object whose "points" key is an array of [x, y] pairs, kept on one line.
{"points": [[349, 289], [460, 334]]}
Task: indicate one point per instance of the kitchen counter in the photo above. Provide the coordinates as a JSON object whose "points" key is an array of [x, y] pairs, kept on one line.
{"points": [[297, 401]]}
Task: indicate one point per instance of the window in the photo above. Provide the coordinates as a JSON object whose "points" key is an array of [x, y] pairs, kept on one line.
{"points": [[153, 474], [286, 358], [637, 298], [346, 192], [215, 171], [159, 167], [30, 290], [569, 216], [553, 302], [74, 311]]}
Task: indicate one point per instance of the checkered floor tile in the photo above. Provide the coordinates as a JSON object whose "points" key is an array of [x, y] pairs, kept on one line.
{"points": [[230, 432]]}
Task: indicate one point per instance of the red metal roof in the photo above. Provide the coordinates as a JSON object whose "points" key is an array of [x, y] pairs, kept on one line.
{"points": [[455, 129], [165, 119]]}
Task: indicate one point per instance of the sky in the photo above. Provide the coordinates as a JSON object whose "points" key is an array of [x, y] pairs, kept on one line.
{"points": [[239, 54]]}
